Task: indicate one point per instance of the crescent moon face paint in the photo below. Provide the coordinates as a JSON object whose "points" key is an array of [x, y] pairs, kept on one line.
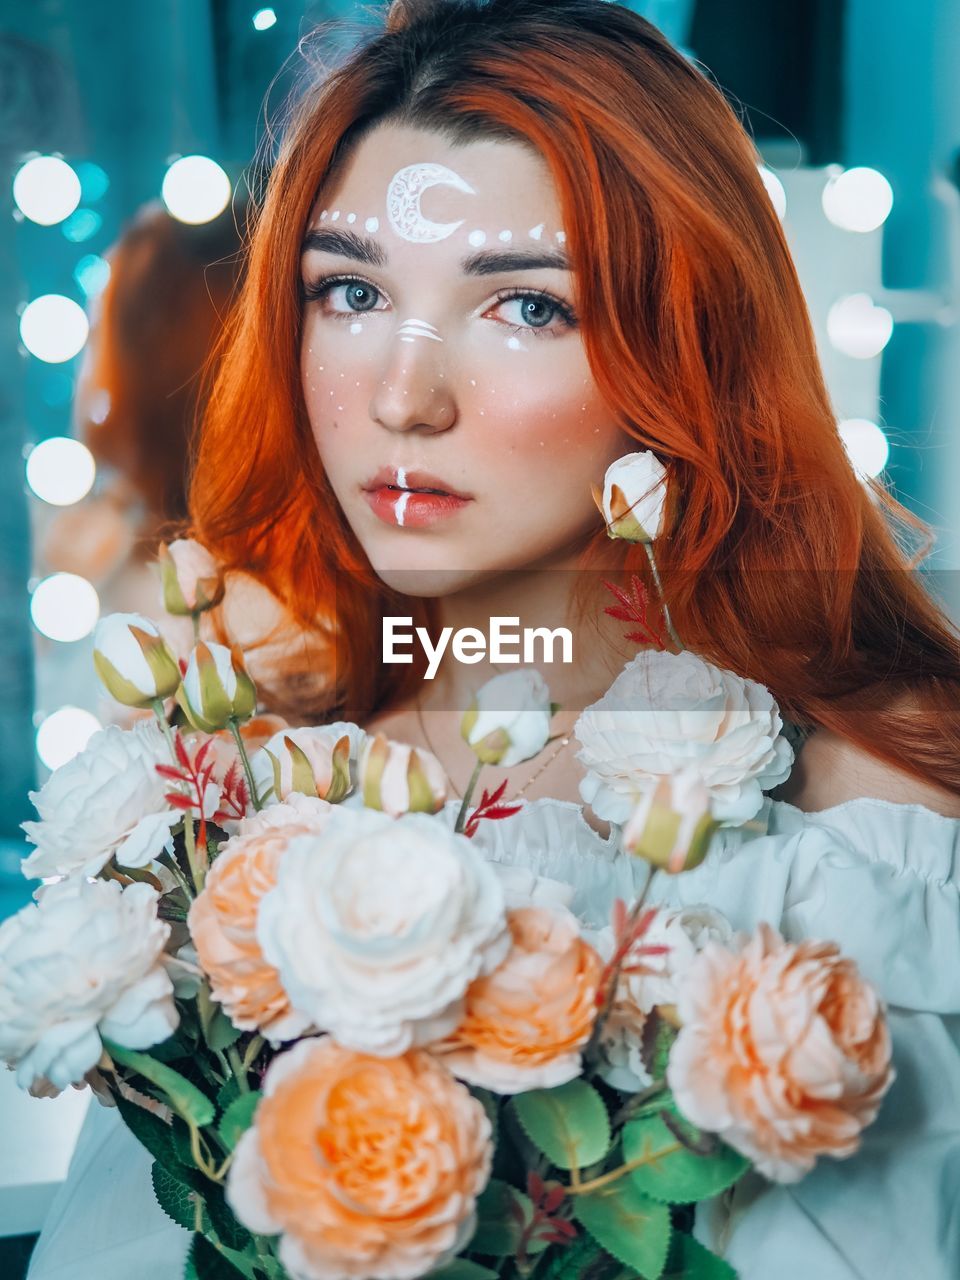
{"points": [[404, 193]]}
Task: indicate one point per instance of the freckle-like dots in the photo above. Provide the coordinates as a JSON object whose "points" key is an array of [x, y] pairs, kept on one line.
{"points": [[477, 238], [561, 237], [505, 236], [515, 344], [473, 382], [536, 232], [335, 215], [351, 217], [323, 215], [356, 327], [372, 224]]}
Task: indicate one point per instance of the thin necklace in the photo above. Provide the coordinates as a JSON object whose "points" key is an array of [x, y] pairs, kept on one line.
{"points": [[564, 742]]}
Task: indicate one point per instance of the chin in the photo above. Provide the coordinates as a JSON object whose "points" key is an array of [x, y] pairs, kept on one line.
{"points": [[429, 581]]}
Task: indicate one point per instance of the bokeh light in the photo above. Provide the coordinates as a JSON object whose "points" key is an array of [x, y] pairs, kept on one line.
{"points": [[867, 445], [53, 328], [94, 182], [65, 607], [46, 190], [64, 734], [61, 471], [858, 199], [82, 225], [858, 327], [195, 189], [775, 190], [92, 273], [264, 19]]}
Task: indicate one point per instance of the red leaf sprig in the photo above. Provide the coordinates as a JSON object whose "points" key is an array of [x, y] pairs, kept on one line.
{"points": [[634, 608], [490, 808], [194, 774], [629, 948], [548, 1223], [234, 795]]}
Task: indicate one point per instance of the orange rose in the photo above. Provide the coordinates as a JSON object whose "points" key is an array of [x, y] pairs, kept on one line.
{"points": [[367, 1166], [524, 1024], [784, 1051], [223, 925]]}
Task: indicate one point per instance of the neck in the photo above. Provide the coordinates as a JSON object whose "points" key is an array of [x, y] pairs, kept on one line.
{"points": [[534, 597]]}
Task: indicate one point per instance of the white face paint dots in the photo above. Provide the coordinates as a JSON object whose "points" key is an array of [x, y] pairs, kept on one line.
{"points": [[405, 216]]}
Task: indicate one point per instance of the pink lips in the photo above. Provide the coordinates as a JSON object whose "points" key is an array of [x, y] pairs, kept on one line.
{"points": [[405, 479], [404, 509]]}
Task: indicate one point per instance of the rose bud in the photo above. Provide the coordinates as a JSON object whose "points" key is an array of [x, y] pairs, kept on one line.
{"points": [[307, 761], [398, 778], [132, 659], [189, 576], [508, 720], [633, 497], [672, 825], [216, 688]]}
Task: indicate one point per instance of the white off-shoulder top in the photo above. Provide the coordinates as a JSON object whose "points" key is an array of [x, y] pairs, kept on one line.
{"points": [[880, 879]]}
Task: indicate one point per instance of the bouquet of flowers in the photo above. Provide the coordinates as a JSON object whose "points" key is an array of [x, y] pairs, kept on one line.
{"points": [[354, 1047]]}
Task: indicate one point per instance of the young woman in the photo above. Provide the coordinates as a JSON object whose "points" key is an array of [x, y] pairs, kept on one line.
{"points": [[503, 245]]}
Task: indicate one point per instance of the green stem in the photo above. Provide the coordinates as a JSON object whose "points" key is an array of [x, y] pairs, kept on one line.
{"points": [[247, 769], [238, 1069], [169, 860], [196, 627], [158, 711], [253, 1048], [648, 547], [462, 815]]}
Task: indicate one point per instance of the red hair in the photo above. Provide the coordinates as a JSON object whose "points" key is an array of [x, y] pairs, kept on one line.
{"points": [[778, 562]]}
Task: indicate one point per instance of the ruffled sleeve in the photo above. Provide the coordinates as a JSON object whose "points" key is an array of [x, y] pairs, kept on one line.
{"points": [[883, 881]]}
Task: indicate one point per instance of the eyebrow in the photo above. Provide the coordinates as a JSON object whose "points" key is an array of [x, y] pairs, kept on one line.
{"points": [[488, 262]]}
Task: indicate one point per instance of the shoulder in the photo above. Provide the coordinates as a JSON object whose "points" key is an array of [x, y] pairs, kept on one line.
{"points": [[831, 770]]}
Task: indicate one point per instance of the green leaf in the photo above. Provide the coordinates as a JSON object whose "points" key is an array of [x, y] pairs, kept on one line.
{"points": [[229, 1231], [631, 1227], [237, 1118], [221, 1033], [498, 1233], [680, 1176], [689, 1260], [583, 1259], [462, 1269], [229, 1092], [205, 1262], [658, 1038], [185, 1098], [568, 1124], [157, 1136], [174, 1197]]}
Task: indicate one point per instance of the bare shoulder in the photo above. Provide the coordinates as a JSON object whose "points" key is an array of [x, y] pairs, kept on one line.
{"points": [[831, 769]]}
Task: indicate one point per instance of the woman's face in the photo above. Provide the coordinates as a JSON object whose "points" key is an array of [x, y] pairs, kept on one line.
{"points": [[441, 350]]}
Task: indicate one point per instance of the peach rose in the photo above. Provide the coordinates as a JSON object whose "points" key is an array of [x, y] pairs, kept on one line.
{"points": [[784, 1051], [223, 925], [367, 1166], [524, 1024]]}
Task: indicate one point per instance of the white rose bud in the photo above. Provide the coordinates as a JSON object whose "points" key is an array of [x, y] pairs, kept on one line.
{"points": [[508, 720], [189, 576], [309, 761], [132, 659], [672, 826], [216, 688], [634, 492], [399, 778]]}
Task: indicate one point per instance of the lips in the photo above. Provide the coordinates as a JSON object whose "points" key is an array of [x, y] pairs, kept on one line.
{"points": [[413, 482]]}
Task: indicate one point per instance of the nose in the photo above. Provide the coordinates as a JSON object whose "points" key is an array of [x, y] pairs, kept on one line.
{"points": [[413, 393]]}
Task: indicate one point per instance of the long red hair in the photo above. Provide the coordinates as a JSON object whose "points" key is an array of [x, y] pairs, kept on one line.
{"points": [[778, 562]]}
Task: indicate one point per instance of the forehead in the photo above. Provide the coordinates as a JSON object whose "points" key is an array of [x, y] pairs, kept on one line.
{"points": [[407, 178]]}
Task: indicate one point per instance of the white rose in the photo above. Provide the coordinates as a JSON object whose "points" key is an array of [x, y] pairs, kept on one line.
{"points": [[634, 492], [107, 802], [216, 688], [189, 575], [508, 720], [321, 762], [134, 662], [295, 811], [378, 925], [669, 711], [399, 778], [524, 888], [684, 933], [84, 961]]}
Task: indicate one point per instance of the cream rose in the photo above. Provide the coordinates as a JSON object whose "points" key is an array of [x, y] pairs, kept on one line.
{"points": [[378, 925], [190, 578], [364, 1166], [316, 761], [647, 980], [784, 1051], [86, 960], [508, 720], [634, 494], [671, 711], [399, 778], [107, 802], [133, 660]]}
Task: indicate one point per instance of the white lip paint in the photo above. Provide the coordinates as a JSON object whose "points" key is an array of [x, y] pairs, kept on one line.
{"points": [[413, 328], [404, 498]]}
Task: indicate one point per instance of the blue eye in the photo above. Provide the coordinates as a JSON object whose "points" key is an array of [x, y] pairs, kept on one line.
{"points": [[361, 297]]}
